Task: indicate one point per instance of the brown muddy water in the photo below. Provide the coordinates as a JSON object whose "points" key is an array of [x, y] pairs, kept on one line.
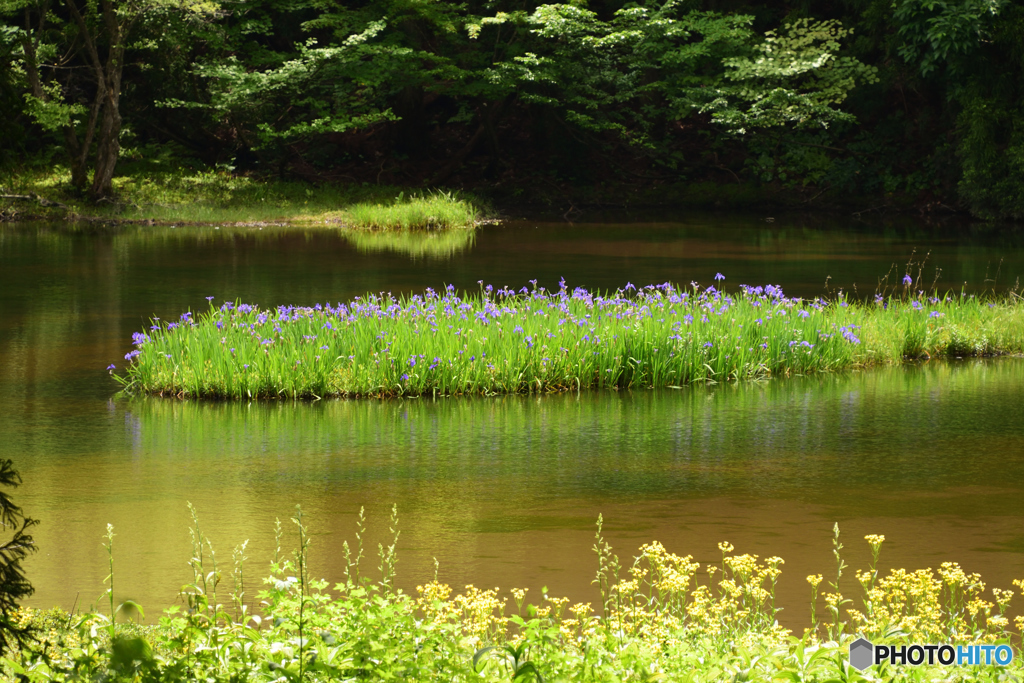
{"points": [[501, 491]]}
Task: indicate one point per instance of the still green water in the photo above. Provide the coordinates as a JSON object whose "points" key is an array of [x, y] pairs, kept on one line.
{"points": [[504, 491]]}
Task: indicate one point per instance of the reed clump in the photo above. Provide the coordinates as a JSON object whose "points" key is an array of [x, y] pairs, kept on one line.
{"points": [[534, 340], [433, 211], [661, 617]]}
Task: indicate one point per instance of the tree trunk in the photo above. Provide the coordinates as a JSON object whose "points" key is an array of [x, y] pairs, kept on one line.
{"points": [[108, 148], [76, 155], [76, 159], [108, 143], [108, 95], [78, 150]]}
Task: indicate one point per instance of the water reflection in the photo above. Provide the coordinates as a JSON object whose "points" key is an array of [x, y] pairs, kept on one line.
{"points": [[416, 244], [505, 491]]}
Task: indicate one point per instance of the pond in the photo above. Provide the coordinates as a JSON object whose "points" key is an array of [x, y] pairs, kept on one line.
{"points": [[501, 491]]}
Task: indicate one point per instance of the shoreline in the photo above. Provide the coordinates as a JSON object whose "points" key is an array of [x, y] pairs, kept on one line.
{"points": [[168, 197], [198, 198]]}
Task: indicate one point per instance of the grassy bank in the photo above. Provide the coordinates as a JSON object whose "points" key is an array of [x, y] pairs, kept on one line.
{"points": [[534, 340], [152, 194], [661, 617]]}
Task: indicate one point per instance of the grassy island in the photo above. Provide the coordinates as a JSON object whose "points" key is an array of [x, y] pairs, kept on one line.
{"points": [[534, 340], [660, 618]]}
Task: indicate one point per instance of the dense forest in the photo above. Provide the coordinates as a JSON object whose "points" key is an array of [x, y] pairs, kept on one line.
{"points": [[921, 100]]}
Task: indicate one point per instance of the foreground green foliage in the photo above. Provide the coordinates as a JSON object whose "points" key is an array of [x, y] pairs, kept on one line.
{"points": [[14, 549], [660, 618], [538, 341]]}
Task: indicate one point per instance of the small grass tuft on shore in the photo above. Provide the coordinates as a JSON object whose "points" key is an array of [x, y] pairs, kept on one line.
{"points": [[433, 211]]}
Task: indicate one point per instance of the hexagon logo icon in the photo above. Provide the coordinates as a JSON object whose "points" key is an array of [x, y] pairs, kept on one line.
{"points": [[861, 654]]}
